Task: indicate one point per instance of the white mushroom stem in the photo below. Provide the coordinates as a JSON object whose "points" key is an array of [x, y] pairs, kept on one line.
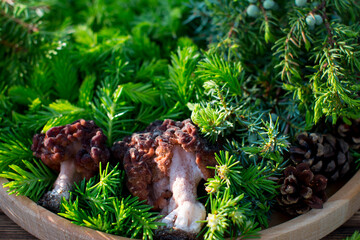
{"points": [[184, 211], [65, 179], [61, 187]]}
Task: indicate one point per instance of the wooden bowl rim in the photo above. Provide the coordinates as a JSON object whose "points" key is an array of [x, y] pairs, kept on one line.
{"points": [[313, 225]]}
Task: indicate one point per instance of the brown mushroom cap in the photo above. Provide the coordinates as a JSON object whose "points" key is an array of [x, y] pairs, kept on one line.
{"points": [[147, 155], [82, 142]]}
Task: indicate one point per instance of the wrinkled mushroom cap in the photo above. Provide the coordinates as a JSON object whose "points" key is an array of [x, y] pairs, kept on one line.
{"points": [[82, 142], [147, 155]]}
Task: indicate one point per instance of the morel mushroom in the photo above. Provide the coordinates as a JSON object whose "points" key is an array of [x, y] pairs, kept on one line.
{"points": [[164, 165], [75, 151]]}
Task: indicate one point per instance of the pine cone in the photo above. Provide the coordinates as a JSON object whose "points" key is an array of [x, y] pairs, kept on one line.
{"points": [[301, 190], [324, 153], [350, 133]]}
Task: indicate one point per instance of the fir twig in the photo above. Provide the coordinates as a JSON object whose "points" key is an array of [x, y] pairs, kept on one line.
{"points": [[32, 181], [14, 147], [97, 204], [30, 27]]}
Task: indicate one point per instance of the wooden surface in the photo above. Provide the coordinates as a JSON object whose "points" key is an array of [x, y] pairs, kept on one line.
{"points": [[10, 230]]}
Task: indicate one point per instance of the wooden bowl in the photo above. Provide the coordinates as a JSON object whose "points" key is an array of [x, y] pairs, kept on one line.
{"points": [[311, 226]]}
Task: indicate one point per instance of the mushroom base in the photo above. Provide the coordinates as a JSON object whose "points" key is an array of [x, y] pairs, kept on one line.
{"points": [[63, 184], [52, 199], [183, 211]]}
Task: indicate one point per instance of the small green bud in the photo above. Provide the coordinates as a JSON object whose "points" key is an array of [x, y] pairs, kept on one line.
{"points": [[269, 4], [318, 19], [300, 3], [222, 171], [253, 11], [213, 186], [237, 216], [213, 221], [310, 21], [315, 4], [252, 1]]}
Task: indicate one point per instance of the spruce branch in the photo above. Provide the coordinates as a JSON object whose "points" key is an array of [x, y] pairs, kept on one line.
{"points": [[328, 28], [211, 121], [214, 68], [65, 77], [333, 64], [229, 215], [74, 212], [285, 49], [14, 46], [272, 140], [141, 93], [14, 147], [31, 28], [252, 182], [217, 221], [59, 112], [32, 181], [86, 91], [148, 114], [97, 204], [181, 73], [27, 38], [142, 220], [109, 108], [97, 190], [263, 10]]}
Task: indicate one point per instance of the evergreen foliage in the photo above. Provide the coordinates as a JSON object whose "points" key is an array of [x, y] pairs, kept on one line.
{"points": [[32, 181], [98, 60], [14, 147], [24, 39], [248, 186], [227, 212], [250, 74], [98, 204], [313, 48], [234, 108]]}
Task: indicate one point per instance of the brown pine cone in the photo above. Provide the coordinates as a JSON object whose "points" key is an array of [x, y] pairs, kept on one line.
{"points": [[301, 190], [324, 153], [350, 133]]}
